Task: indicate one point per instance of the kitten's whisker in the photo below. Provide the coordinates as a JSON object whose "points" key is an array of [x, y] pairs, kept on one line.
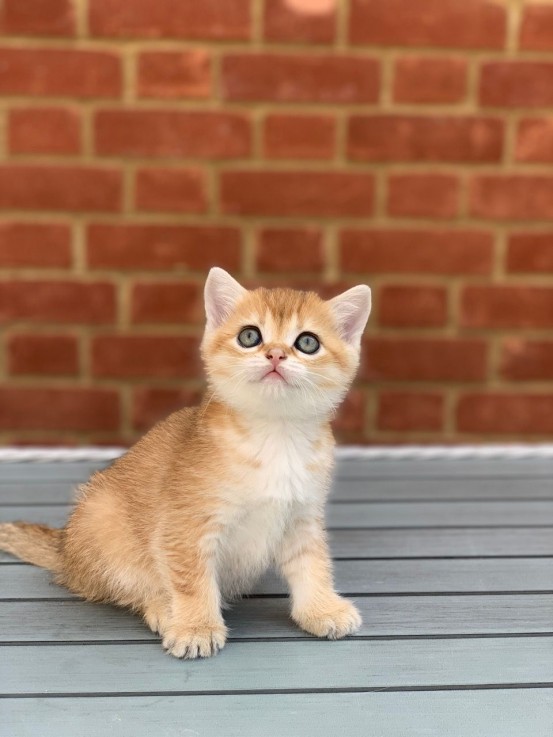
{"points": [[206, 405]]}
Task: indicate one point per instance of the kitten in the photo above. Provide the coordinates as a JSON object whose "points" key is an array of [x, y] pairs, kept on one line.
{"points": [[193, 513]]}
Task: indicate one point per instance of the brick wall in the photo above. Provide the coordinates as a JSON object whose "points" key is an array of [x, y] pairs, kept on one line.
{"points": [[404, 143]]}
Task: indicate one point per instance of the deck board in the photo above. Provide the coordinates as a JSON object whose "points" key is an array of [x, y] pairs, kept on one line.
{"points": [[383, 616], [470, 468], [450, 563], [431, 543], [352, 577], [260, 666], [343, 490], [370, 514], [474, 713]]}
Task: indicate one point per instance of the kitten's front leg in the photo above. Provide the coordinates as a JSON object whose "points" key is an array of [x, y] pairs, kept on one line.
{"points": [[305, 562], [196, 627]]}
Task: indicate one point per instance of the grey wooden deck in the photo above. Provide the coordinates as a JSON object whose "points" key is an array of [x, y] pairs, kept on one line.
{"points": [[451, 564]]}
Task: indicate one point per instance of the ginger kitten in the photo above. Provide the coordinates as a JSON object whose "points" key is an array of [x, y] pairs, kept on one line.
{"points": [[193, 513]]}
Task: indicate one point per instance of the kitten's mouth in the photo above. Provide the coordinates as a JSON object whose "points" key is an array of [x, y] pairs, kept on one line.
{"points": [[273, 376]]}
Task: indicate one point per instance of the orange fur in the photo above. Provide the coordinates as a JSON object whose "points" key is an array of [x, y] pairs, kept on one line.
{"points": [[203, 503]]}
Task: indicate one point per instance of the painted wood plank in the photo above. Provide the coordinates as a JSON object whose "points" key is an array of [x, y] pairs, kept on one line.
{"points": [[345, 468], [352, 577], [430, 514], [362, 490], [432, 543], [258, 666], [74, 471], [473, 713], [374, 515], [459, 489], [446, 469], [34, 492], [432, 576], [383, 616], [437, 543]]}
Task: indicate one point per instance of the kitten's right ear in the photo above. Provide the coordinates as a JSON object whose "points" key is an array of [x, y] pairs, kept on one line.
{"points": [[221, 294]]}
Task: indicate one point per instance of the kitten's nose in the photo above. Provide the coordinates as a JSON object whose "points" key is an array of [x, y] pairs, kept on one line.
{"points": [[275, 355]]}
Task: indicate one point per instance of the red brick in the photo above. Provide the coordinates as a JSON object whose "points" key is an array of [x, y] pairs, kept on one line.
{"points": [[536, 29], [42, 72], [209, 19], [319, 194], [505, 413], [44, 131], [57, 301], [511, 197], [527, 360], [423, 195], [35, 244], [430, 79], [299, 137], [300, 78], [159, 247], [530, 253], [473, 24], [150, 405], [170, 190], [66, 408], [416, 251], [409, 411], [172, 74], [74, 188], [300, 21], [516, 84], [43, 354], [534, 140], [507, 307], [145, 356], [37, 18], [209, 135], [423, 359], [167, 302], [416, 138], [290, 249], [407, 306], [351, 414]]}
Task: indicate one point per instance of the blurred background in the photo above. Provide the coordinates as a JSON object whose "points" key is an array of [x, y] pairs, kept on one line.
{"points": [[318, 144]]}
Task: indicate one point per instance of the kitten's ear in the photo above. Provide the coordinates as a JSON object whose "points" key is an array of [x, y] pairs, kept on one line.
{"points": [[351, 310], [221, 294]]}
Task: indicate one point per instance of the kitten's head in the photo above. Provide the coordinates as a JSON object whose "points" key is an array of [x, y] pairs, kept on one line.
{"points": [[281, 352]]}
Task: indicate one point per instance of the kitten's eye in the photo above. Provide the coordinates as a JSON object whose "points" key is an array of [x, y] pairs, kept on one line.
{"points": [[249, 337], [307, 343]]}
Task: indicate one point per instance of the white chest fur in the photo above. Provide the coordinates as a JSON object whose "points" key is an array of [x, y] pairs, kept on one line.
{"points": [[284, 476]]}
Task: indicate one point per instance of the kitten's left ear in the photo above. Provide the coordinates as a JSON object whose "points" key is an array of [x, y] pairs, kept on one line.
{"points": [[221, 294], [351, 310]]}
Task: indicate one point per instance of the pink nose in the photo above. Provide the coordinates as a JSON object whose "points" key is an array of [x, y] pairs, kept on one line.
{"points": [[275, 355]]}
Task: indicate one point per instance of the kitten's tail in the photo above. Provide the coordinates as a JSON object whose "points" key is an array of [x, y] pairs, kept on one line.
{"points": [[37, 544]]}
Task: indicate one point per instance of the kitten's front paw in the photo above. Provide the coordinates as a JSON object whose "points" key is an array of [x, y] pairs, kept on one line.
{"points": [[334, 620], [200, 641]]}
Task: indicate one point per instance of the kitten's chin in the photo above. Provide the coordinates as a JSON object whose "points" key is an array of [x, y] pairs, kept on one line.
{"points": [[275, 398]]}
